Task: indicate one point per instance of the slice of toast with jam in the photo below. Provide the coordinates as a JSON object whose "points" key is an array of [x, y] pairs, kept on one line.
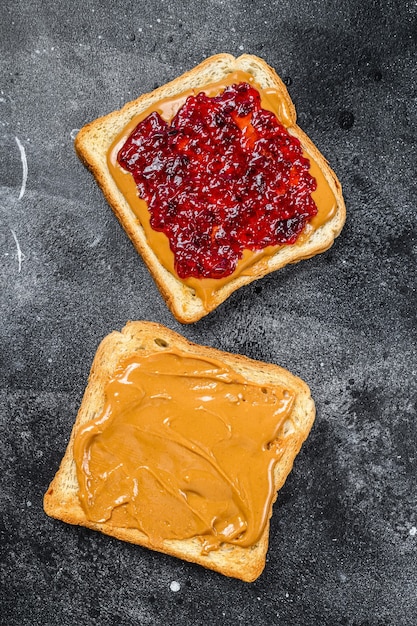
{"points": [[214, 182]]}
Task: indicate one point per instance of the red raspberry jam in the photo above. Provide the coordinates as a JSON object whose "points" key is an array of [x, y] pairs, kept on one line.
{"points": [[223, 177]]}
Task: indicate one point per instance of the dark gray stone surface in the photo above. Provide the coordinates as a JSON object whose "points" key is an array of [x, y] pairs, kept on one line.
{"points": [[343, 544]]}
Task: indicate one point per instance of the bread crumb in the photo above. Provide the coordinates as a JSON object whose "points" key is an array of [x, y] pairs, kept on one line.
{"points": [[413, 531], [175, 586]]}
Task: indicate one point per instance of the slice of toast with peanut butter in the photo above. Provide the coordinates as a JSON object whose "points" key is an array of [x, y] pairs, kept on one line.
{"points": [[182, 448], [192, 296]]}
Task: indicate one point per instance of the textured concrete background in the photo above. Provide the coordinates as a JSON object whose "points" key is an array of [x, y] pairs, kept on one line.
{"points": [[343, 544]]}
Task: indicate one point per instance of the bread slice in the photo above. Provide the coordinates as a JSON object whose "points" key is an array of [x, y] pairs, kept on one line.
{"points": [[94, 140], [62, 501]]}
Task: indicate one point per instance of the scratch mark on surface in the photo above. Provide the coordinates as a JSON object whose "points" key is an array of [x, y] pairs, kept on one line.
{"points": [[19, 251], [24, 166]]}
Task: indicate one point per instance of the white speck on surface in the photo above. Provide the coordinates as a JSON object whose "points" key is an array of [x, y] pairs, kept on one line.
{"points": [[19, 251], [24, 167], [287, 595], [28, 503], [175, 586], [413, 531], [74, 132], [95, 242], [158, 20], [49, 360], [240, 47], [342, 577]]}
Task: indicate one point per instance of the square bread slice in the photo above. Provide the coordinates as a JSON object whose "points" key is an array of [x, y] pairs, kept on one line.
{"points": [[143, 339], [94, 141]]}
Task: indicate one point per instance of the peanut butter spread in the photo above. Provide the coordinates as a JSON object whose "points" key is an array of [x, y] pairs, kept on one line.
{"points": [[184, 447], [206, 288]]}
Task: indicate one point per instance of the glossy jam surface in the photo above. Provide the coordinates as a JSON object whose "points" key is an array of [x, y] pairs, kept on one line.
{"points": [[223, 177], [185, 447]]}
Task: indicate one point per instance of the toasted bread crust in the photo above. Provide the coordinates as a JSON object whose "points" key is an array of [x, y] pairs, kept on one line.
{"points": [[93, 142], [61, 500]]}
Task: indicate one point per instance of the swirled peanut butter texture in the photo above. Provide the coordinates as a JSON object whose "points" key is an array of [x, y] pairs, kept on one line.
{"points": [[206, 288], [184, 447]]}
